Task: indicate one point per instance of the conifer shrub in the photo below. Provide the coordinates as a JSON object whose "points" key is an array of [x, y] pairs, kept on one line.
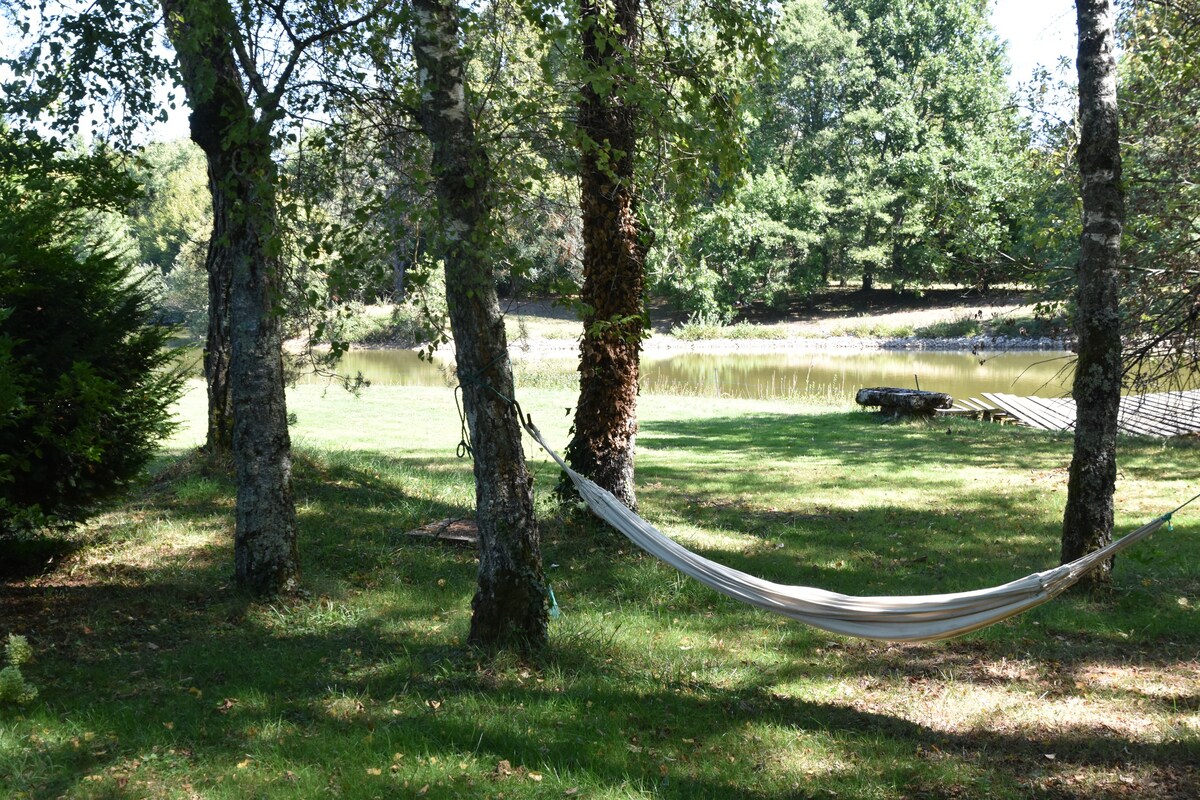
{"points": [[85, 379], [14, 689]]}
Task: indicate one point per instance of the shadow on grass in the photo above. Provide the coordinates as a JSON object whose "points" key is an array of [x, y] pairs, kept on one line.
{"points": [[163, 659], [330, 703], [28, 558]]}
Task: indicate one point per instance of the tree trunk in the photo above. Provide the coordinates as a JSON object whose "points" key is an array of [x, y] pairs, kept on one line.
{"points": [[903, 402], [868, 279], [219, 442], [897, 258], [614, 254], [509, 608], [1088, 520], [242, 174]]}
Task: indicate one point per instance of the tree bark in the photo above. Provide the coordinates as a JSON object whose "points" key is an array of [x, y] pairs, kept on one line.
{"points": [[242, 173], [900, 402], [217, 350], [1088, 520], [614, 255], [509, 608]]}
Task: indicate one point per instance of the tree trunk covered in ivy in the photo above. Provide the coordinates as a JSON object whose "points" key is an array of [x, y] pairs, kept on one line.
{"points": [[242, 177], [1088, 521], [509, 608], [614, 253]]}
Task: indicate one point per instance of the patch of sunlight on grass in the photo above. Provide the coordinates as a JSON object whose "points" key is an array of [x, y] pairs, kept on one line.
{"points": [[655, 686]]}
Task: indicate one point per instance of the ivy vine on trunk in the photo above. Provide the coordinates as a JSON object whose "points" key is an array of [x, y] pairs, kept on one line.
{"points": [[614, 253]]}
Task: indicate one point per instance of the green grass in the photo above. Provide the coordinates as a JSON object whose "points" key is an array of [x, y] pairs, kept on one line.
{"points": [[951, 329], [707, 330], [157, 680], [871, 329], [1012, 325]]}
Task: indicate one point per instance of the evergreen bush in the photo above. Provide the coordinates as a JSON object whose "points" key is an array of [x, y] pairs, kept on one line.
{"points": [[85, 379]]}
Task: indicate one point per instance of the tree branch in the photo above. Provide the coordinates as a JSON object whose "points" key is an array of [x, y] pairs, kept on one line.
{"points": [[270, 102]]}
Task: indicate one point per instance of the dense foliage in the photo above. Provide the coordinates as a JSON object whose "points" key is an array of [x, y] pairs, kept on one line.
{"points": [[1160, 105], [84, 383], [884, 147]]}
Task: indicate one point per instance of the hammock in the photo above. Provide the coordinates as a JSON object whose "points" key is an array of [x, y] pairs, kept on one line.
{"points": [[899, 619]]}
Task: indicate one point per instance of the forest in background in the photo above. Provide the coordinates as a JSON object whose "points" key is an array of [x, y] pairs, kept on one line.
{"points": [[860, 142]]}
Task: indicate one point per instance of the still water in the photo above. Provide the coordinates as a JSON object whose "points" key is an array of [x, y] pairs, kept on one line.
{"points": [[831, 375]]}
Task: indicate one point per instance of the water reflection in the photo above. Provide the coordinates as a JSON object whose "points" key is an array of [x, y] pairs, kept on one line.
{"points": [[838, 376], [832, 375]]}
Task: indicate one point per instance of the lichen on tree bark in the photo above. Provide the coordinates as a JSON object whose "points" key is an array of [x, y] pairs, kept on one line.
{"points": [[242, 173], [509, 607], [1088, 519]]}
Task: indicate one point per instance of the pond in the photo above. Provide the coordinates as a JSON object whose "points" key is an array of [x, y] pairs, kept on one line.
{"points": [[835, 376]]}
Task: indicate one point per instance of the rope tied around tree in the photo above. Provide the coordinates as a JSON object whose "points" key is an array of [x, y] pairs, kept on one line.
{"points": [[477, 379]]}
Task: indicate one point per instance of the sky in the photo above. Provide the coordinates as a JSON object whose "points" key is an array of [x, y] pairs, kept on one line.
{"points": [[1037, 32]]}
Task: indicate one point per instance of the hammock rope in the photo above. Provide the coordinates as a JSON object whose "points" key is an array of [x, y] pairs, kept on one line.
{"points": [[887, 618]]}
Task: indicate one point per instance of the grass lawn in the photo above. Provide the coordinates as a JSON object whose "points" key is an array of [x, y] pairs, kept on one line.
{"points": [[156, 679]]}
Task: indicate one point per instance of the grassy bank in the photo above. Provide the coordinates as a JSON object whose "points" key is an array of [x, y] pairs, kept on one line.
{"points": [[157, 680]]}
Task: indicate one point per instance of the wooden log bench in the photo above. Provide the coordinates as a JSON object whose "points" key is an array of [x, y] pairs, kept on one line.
{"points": [[904, 402]]}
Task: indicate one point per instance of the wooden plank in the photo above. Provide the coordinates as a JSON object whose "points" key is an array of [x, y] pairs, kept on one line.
{"points": [[453, 531], [1140, 426], [993, 413], [1004, 402], [1059, 409], [1183, 406], [1058, 416], [1162, 414], [1148, 419], [1032, 414]]}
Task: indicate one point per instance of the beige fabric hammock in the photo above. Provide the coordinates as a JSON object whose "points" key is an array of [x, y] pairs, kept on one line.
{"points": [[899, 619]]}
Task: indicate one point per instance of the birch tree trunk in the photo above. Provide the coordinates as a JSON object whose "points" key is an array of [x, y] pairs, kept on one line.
{"points": [[242, 177], [509, 608], [1088, 520], [614, 254]]}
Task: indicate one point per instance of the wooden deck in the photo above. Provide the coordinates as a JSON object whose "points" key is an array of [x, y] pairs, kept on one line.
{"points": [[1166, 414]]}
